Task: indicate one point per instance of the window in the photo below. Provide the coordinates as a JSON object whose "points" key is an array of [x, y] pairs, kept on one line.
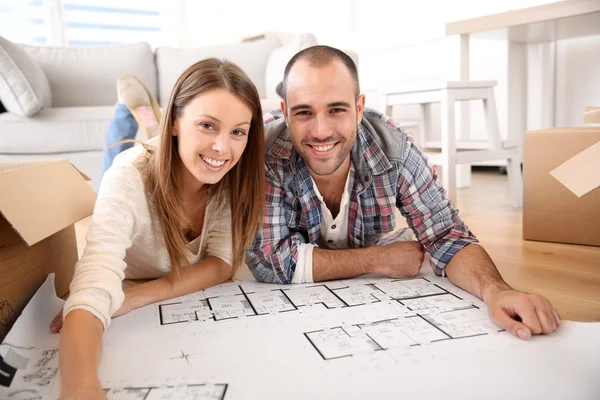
{"points": [[104, 22], [88, 22], [23, 21]]}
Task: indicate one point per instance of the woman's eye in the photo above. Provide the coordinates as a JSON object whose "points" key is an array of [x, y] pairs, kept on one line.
{"points": [[239, 132], [205, 125]]}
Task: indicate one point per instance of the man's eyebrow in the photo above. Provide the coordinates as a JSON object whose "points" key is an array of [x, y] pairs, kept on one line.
{"points": [[330, 105], [338, 104], [301, 107]]}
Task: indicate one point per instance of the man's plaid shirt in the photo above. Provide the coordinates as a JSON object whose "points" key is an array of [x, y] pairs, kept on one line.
{"points": [[387, 170]]}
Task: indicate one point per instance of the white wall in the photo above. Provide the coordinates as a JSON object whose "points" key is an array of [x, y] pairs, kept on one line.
{"points": [[209, 22], [384, 34], [386, 60], [578, 79]]}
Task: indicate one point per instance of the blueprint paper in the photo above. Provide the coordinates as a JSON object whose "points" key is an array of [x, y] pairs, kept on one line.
{"points": [[361, 338]]}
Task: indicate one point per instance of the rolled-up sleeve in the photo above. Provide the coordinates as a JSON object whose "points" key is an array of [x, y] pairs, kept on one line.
{"points": [[273, 255], [97, 281], [422, 201]]}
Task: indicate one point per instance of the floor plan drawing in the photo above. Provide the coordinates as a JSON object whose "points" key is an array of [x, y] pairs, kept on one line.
{"points": [[226, 307], [270, 302], [359, 295], [237, 300], [173, 313], [182, 392], [35, 374], [436, 303], [309, 295], [409, 288], [431, 318], [412, 330], [367, 337]]}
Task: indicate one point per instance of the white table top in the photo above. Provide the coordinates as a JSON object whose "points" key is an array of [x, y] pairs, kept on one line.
{"points": [[561, 20]]}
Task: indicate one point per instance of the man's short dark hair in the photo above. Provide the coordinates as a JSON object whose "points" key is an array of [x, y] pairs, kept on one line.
{"points": [[319, 56]]}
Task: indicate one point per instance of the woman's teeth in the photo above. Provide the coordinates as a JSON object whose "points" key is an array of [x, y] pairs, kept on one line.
{"points": [[212, 162]]}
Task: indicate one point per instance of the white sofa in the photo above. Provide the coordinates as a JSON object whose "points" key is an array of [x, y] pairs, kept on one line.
{"points": [[83, 92]]}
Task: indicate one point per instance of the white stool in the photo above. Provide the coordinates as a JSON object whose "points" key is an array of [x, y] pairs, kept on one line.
{"points": [[453, 153]]}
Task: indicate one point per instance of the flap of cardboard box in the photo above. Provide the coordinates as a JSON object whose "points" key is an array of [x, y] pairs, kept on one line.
{"points": [[41, 198], [6, 166], [581, 173]]}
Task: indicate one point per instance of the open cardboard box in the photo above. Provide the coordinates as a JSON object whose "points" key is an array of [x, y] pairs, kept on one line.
{"points": [[39, 203], [561, 178]]}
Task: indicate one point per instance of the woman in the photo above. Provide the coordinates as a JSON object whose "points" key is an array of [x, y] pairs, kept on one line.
{"points": [[181, 213]]}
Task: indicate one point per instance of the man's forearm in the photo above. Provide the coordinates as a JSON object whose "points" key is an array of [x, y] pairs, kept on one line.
{"points": [[340, 264], [472, 269]]}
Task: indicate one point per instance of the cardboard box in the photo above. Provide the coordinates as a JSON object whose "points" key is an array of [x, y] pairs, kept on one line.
{"points": [[561, 178], [39, 203]]}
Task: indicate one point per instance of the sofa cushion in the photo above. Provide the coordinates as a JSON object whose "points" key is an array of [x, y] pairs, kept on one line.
{"points": [[24, 88], [86, 76], [55, 130], [252, 57]]}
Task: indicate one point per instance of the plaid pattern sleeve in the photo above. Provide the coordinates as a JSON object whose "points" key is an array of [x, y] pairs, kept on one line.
{"points": [[273, 254], [272, 115], [431, 215]]}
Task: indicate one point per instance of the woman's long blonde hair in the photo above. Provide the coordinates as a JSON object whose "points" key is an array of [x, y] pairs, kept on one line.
{"points": [[243, 186]]}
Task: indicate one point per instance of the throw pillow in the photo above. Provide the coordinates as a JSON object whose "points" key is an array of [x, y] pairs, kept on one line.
{"points": [[24, 88]]}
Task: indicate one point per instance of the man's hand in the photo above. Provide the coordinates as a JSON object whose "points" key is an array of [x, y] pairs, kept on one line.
{"points": [[522, 314], [402, 259]]}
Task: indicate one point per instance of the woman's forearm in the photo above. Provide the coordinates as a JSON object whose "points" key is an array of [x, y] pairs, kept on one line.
{"points": [[80, 352], [206, 273]]}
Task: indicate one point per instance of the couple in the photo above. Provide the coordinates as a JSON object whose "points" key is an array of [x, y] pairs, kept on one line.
{"points": [[309, 196]]}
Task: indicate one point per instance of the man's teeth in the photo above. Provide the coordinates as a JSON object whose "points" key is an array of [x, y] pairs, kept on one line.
{"points": [[212, 162], [323, 148]]}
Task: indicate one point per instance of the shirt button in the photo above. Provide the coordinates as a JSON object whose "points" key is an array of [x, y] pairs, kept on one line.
{"points": [[330, 241], [333, 226]]}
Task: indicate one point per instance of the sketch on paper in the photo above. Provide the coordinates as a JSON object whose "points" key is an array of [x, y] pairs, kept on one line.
{"points": [[182, 392], [221, 343], [424, 312], [412, 330], [33, 374], [236, 300]]}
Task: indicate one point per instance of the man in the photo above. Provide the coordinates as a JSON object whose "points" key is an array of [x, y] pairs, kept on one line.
{"points": [[335, 172]]}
